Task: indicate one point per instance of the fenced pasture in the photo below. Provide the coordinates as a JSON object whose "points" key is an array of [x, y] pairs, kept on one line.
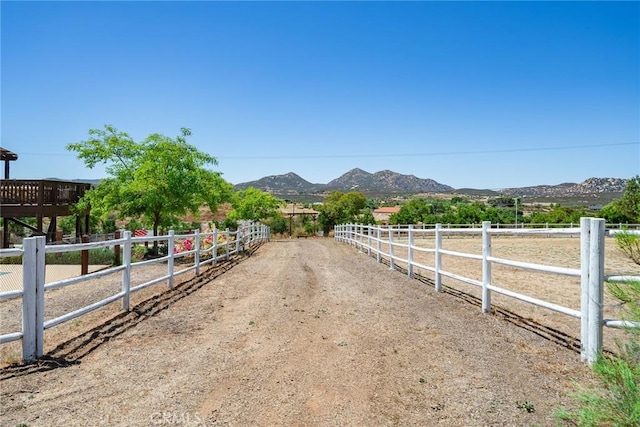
{"points": [[540, 274], [41, 303]]}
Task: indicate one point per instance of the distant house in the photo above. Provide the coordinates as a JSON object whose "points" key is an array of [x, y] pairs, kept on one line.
{"points": [[382, 215]]}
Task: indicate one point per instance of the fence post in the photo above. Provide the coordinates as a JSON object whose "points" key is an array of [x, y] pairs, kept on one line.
{"points": [[369, 240], [33, 270], [214, 248], [585, 226], [410, 253], [40, 278], [354, 231], [354, 235], [438, 257], [196, 256], [227, 236], [171, 253], [486, 266], [596, 288], [84, 257], [29, 268], [391, 264], [378, 243], [126, 273], [361, 231], [116, 249]]}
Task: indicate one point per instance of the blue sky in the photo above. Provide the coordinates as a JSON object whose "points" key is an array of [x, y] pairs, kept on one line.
{"points": [[470, 94]]}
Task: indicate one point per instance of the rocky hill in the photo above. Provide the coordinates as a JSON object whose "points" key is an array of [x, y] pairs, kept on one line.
{"points": [[385, 181], [355, 180], [589, 186], [282, 185]]}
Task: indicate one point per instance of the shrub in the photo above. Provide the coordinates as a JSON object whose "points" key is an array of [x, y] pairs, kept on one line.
{"points": [[100, 256], [630, 245], [138, 252], [617, 401]]}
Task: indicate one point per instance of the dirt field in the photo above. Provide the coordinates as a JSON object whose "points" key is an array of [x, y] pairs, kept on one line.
{"points": [[301, 333]]}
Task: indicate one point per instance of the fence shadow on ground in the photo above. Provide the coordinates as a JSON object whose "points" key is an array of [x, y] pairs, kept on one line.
{"points": [[551, 334], [72, 351]]}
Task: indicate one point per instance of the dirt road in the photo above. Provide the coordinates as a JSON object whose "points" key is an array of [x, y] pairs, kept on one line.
{"points": [[303, 333]]}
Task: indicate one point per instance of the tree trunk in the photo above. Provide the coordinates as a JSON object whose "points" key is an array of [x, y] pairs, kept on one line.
{"points": [[156, 225]]}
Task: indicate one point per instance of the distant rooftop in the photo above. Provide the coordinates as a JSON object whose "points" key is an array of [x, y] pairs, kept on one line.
{"points": [[387, 210]]}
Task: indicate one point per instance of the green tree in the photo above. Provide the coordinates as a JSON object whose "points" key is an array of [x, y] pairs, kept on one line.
{"points": [[67, 224], [502, 201], [278, 223], [412, 212], [627, 208], [470, 213], [340, 208], [630, 202], [253, 204], [154, 180], [367, 216], [613, 214]]}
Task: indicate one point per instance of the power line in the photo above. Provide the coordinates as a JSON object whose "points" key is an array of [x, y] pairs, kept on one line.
{"points": [[442, 153], [387, 155]]}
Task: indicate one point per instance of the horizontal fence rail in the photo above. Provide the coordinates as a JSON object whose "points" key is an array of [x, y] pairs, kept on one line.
{"points": [[383, 242], [205, 249], [537, 226]]}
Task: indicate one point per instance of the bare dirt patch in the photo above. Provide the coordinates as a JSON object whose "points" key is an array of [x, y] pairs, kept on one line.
{"points": [[303, 332]]}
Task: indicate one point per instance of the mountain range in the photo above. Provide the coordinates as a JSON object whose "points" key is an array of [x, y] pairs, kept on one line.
{"points": [[392, 183]]}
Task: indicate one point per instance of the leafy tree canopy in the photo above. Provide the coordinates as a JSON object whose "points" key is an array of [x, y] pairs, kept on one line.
{"points": [[154, 180], [253, 204], [626, 209], [630, 202], [340, 208]]}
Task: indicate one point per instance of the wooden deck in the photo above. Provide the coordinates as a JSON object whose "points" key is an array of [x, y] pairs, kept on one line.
{"points": [[20, 198], [38, 199]]}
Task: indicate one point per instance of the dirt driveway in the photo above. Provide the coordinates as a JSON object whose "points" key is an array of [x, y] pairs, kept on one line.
{"points": [[302, 333]]}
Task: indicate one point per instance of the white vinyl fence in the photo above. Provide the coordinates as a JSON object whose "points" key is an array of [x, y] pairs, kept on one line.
{"points": [[383, 242], [206, 248]]}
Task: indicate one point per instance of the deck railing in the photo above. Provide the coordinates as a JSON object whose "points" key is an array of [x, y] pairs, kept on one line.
{"points": [[40, 192]]}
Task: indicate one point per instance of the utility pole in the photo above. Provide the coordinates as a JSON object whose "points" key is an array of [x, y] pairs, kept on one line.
{"points": [[293, 211]]}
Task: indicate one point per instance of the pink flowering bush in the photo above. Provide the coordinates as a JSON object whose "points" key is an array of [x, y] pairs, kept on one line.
{"points": [[184, 246], [206, 242]]}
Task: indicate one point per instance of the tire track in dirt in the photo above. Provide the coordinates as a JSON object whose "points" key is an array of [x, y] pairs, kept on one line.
{"points": [[304, 333]]}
